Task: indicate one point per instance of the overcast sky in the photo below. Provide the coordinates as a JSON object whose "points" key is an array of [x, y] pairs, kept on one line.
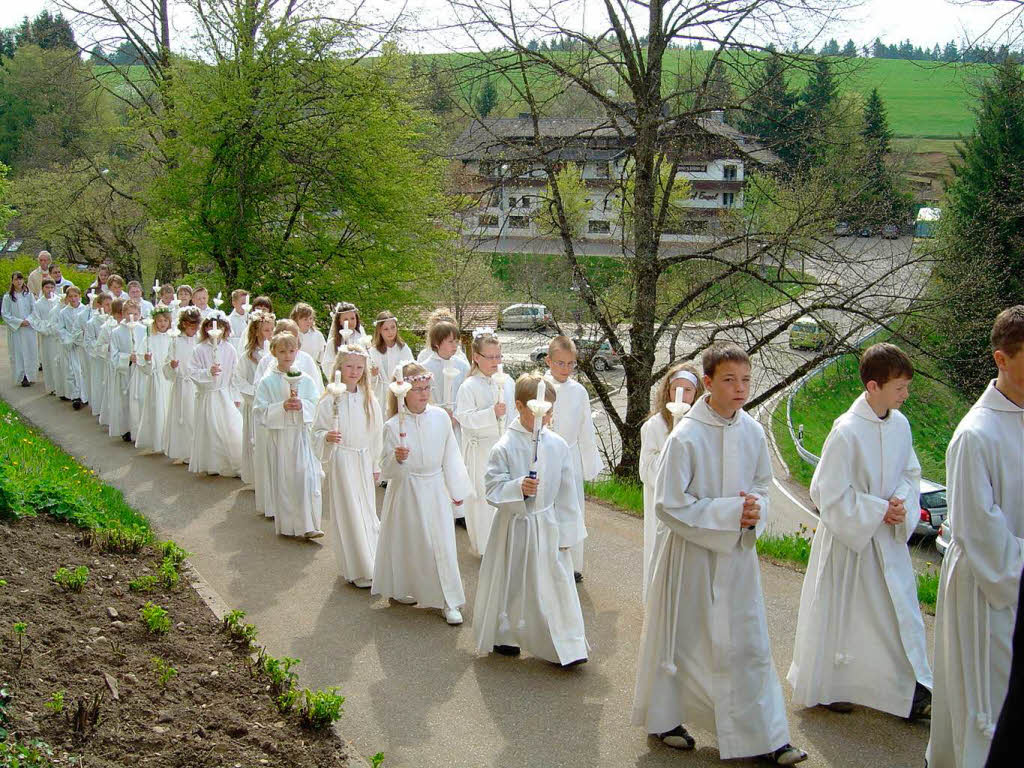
{"points": [[925, 22]]}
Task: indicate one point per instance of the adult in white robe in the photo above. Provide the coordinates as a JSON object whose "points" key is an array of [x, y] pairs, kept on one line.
{"points": [[481, 428], [244, 384], [181, 408], [44, 320], [859, 636], [573, 421], [348, 490], [979, 581], [385, 363], [126, 341], [70, 332], [416, 555], [156, 393], [293, 491], [526, 596], [22, 347], [217, 429], [705, 656]]}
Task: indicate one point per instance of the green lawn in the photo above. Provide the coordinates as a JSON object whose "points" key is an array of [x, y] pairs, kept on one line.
{"points": [[26, 263]]}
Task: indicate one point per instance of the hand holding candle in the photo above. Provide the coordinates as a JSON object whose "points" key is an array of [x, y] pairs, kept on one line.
{"points": [[539, 406], [400, 388]]}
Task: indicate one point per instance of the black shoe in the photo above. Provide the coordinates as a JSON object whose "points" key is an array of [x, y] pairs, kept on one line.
{"points": [[460, 522], [921, 709], [127, 437], [677, 738], [842, 707], [26, 383], [787, 754], [577, 576], [574, 663], [65, 399], [507, 650], [76, 404]]}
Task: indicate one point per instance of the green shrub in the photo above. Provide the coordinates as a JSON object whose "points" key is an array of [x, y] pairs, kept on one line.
{"points": [[155, 618], [791, 547], [321, 708], [32, 754], [172, 552], [145, 583], [71, 581], [620, 493], [279, 671], [928, 587], [245, 634]]}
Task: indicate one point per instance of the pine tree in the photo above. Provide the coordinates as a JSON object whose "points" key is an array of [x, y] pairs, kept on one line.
{"points": [[813, 113], [770, 111], [831, 48], [881, 200], [719, 93], [96, 55], [850, 49], [980, 247], [487, 99]]}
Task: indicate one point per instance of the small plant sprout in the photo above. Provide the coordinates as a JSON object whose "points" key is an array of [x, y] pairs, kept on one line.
{"points": [[164, 671], [155, 618], [18, 632], [144, 583], [169, 574], [377, 760], [321, 708], [286, 701], [244, 634], [71, 581], [172, 552], [3, 583], [56, 702], [280, 672]]}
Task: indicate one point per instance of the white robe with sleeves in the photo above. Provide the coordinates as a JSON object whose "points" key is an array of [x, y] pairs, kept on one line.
{"points": [[71, 332], [526, 596], [416, 554], [22, 347], [705, 657], [245, 385], [444, 391], [106, 367], [44, 321], [181, 406], [860, 636], [385, 363], [217, 433], [293, 470], [653, 435], [156, 393], [119, 389], [350, 502], [474, 410], [979, 581]]}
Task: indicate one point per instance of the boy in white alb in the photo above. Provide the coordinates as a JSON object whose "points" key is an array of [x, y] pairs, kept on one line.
{"points": [[135, 294], [238, 320], [574, 422], [980, 579], [860, 637], [311, 339], [705, 656]]}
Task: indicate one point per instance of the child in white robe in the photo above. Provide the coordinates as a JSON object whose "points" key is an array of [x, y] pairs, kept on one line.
{"points": [[181, 408], [311, 340], [417, 561], [260, 331], [860, 637], [344, 318], [284, 405], [156, 389], [238, 318], [22, 347], [526, 598], [70, 331], [125, 342], [483, 409], [386, 351], [574, 422], [115, 285], [201, 301], [43, 320], [347, 435], [705, 656], [217, 432], [680, 386], [441, 315], [134, 288], [980, 578], [97, 352], [103, 344], [303, 362], [182, 299], [165, 298]]}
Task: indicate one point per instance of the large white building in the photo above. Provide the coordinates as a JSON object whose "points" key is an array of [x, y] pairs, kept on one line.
{"points": [[504, 159]]}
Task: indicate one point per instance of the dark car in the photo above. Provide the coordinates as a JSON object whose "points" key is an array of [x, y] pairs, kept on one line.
{"points": [[604, 357], [891, 232], [843, 229], [865, 232]]}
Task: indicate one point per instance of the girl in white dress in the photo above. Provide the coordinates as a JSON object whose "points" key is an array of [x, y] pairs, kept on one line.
{"points": [[181, 409], [482, 409], [344, 312], [183, 297], [108, 326], [22, 347], [683, 377], [259, 332], [311, 340], [156, 389], [217, 434], [416, 557], [284, 405], [386, 351], [347, 434]]}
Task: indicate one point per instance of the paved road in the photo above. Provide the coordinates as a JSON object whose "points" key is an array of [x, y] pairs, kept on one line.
{"points": [[415, 690]]}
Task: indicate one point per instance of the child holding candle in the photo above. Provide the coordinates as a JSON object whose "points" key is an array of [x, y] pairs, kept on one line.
{"points": [[439, 315], [386, 351], [346, 326], [311, 340], [677, 391], [417, 561], [260, 331], [526, 598], [70, 331], [97, 355], [164, 295], [303, 362], [115, 286], [201, 301], [180, 419], [135, 294], [482, 409], [448, 369], [284, 405], [156, 389], [347, 435], [217, 434]]}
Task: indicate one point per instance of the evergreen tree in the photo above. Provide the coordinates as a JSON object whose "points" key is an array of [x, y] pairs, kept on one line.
{"points": [[831, 48], [719, 93], [487, 99], [950, 52], [850, 49], [980, 248], [813, 113], [770, 111], [7, 43], [878, 49], [97, 56], [881, 200]]}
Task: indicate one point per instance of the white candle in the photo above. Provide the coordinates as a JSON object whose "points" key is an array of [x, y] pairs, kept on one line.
{"points": [[679, 395]]}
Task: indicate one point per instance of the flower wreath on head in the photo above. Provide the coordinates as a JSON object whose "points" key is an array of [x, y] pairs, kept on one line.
{"points": [[384, 320], [353, 349], [160, 310], [260, 316], [484, 330], [425, 376]]}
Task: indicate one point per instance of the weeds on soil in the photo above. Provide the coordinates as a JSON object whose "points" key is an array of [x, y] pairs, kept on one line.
{"points": [[377, 760], [155, 618], [18, 633], [789, 547], [164, 671], [243, 634], [32, 754], [56, 702], [71, 581], [320, 708], [85, 714]]}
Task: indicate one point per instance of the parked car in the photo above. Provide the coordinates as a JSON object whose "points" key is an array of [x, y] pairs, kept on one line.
{"points": [[933, 509], [944, 538], [807, 333], [524, 317], [865, 232], [604, 357], [891, 232], [843, 229]]}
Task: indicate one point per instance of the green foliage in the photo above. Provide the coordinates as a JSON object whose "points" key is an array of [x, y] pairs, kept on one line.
{"points": [[244, 634], [155, 618], [71, 581], [172, 552], [575, 205], [5, 712], [279, 672], [771, 110], [169, 573], [377, 760], [789, 547], [286, 701], [487, 99], [145, 583], [31, 754], [6, 211], [621, 493], [928, 587], [164, 671], [321, 708], [56, 702]]}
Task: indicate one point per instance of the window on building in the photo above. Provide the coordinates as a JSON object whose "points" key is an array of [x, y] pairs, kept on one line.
{"points": [[599, 227], [730, 172], [728, 199], [487, 220], [525, 202], [519, 222], [692, 168]]}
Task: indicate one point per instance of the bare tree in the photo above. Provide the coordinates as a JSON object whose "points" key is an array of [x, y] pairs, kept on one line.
{"points": [[766, 265]]}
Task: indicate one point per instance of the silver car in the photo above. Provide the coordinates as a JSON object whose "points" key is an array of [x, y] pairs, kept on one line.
{"points": [[524, 317], [933, 509], [942, 541]]}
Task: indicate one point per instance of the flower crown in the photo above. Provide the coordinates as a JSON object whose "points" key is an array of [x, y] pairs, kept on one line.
{"points": [[160, 310], [419, 377], [353, 349], [485, 330]]}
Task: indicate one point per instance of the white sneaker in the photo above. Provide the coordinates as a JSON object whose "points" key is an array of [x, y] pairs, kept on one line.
{"points": [[315, 534], [363, 583], [404, 600], [452, 616]]}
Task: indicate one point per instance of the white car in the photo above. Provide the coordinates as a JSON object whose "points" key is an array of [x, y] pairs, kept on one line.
{"points": [[524, 317]]}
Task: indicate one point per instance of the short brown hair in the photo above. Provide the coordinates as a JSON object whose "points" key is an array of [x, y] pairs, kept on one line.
{"points": [[283, 339], [1008, 331], [286, 326], [189, 315], [440, 331], [302, 309], [238, 292], [263, 302], [883, 362], [117, 306], [119, 279], [526, 388], [726, 352], [564, 343]]}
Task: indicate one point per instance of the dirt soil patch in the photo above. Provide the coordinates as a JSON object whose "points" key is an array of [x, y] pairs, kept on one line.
{"points": [[90, 644]]}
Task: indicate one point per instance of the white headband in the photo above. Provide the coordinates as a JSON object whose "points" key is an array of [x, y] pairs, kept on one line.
{"points": [[685, 375], [384, 320]]}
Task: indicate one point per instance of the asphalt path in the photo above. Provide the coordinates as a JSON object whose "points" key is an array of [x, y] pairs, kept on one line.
{"points": [[414, 687]]}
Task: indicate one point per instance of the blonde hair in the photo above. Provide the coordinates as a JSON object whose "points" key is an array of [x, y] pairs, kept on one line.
{"points": [[439, 314], [112, 278], [526, 388], [479, 342], [408, 369], [563, 343], [339, 309], [284, 325], [378, 338], [283, 339], [252, 332], [661, 397], [73, 289], [302, 309], [364, 381], [238, 292], [204, 329]]}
